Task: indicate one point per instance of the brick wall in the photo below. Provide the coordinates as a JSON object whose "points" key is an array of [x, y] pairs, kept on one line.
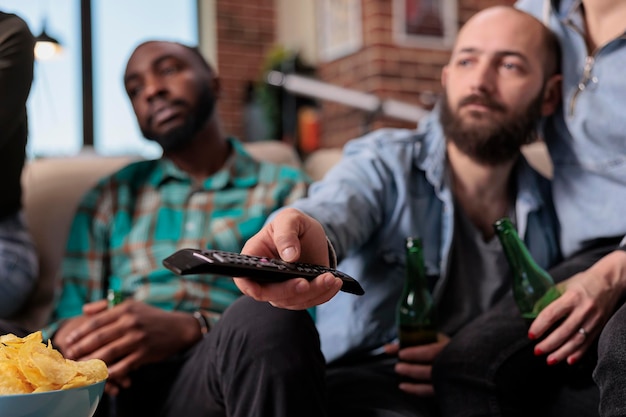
{"points": [[246, 32], [382, 67]]}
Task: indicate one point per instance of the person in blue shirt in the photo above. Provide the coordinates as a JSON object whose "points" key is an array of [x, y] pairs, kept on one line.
{"points": [[548, 369], [446, 183]]}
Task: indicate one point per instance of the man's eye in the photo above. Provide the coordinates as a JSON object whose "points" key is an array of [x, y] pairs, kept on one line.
{"points": [[511, 66], [169, 70], [133, 91]]}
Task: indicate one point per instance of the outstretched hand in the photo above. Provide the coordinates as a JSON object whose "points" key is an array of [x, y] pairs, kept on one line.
{"points": [[291, 236], [589, 299]]}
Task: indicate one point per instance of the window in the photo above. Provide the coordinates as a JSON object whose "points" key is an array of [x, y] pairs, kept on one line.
{"points": [[55, 101]]}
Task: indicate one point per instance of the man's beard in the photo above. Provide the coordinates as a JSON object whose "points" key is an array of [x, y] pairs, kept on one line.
{"points": [[177, 137], [497, 141]]}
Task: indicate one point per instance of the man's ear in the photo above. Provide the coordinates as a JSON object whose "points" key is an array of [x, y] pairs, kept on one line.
{"points": [[551, 95], [444, 76]]}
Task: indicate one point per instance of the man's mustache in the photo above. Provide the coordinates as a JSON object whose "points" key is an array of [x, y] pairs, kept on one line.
{"points": [[163, 103], [483, 101]]}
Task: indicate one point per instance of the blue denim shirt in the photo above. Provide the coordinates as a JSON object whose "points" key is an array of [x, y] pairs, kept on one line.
{"points": [[587, 136], [389, 185]]}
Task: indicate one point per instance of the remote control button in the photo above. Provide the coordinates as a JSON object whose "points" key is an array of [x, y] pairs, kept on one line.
{"points": [[203, 257]]}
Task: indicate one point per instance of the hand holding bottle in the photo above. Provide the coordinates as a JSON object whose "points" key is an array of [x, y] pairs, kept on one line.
{"points": [[533, 287], [415, 314], [417, 330], [415, 365], [588, 300]]}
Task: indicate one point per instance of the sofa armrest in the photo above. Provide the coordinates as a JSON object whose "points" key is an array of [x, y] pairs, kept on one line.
{"points": [[52, 189]]}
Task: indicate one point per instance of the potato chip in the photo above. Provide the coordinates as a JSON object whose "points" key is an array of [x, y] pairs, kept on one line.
{"points": [[92, 370], [10, 338], [78, 381], [12, 381], [44, 366], [28, 365]]}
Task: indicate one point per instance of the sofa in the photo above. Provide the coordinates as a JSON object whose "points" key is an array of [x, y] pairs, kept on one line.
{"points": [[54, 186]]}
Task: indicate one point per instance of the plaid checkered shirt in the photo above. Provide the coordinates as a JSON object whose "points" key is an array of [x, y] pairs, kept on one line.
{"points": [[130, 221]]}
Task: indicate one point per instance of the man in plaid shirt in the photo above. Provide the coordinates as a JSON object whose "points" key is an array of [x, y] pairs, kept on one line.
{"points": [[205, 192]]}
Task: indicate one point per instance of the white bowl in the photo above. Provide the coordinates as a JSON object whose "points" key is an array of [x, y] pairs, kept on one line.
{"points": [[75, 402]]}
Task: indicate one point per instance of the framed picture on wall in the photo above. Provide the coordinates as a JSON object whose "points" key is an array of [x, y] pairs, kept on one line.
{"points": [[339, 28], [425, 23]]}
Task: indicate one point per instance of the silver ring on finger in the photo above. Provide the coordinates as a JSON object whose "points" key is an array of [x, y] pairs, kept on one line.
{"points": [[583, 332]]}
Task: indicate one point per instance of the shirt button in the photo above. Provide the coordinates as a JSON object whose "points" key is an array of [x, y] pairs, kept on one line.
{"points": [[190, 226]]}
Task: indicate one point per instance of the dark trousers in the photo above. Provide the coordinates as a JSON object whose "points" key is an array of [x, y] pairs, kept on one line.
{"points": [[610, 372], [257, 361], [264, 361], [368, 387], [489, 368]]}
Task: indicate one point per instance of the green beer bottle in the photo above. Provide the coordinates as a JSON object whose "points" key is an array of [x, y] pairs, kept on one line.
{"points": [[114, 292], [416, 310], [533, 287]]}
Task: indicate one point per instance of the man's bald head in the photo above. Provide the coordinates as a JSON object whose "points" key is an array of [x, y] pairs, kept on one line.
{"points": [[525, 29]]}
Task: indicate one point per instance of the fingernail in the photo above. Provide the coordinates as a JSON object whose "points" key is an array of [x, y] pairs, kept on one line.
{"points": [[571, 361], [531, 336], [538, 352], [552, 361], [288, 253]]}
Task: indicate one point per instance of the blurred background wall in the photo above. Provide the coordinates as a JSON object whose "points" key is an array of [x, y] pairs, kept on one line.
{"points": [[392, 49]]}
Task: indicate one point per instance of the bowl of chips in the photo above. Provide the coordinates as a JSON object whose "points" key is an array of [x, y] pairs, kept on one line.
{"points": [[37, 381]]}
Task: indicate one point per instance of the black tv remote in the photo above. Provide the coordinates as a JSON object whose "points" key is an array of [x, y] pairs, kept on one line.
{"points": [[258, 268]]}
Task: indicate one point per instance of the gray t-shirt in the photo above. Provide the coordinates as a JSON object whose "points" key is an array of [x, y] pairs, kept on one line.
{"points": [[478, 276]]}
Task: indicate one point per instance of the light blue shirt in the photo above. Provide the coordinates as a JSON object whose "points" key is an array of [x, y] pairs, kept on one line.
{"points": [[389, 185], [587, 136]]}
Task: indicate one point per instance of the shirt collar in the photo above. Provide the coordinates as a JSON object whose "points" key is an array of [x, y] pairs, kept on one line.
{"points": [[240, 171], [432, 156], [565, 8], [573, 13]]}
